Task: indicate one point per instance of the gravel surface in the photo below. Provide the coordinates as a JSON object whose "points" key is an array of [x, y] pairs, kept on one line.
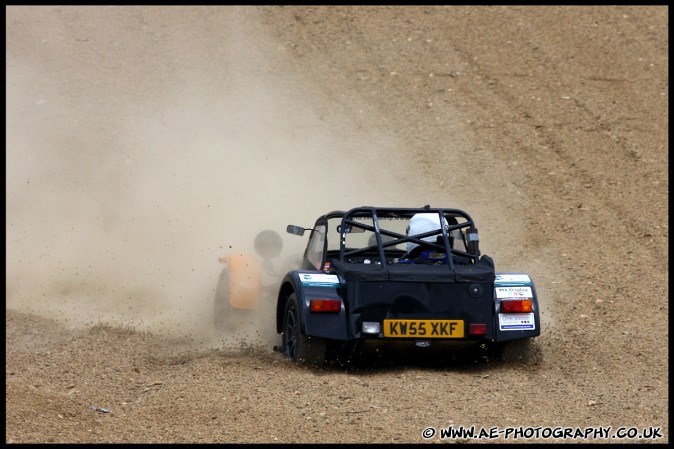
{"points": [[143, 143]]}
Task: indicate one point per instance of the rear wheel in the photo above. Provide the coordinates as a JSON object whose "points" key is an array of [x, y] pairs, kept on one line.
{"points": [[300, 348]]}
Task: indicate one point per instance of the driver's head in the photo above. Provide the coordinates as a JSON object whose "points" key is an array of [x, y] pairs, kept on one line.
{"points": [[421, 223], [268, 244]]}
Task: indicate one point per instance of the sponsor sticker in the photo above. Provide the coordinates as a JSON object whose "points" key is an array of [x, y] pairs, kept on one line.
{"points": [[516, 321], [505, 279], [514, 292], [319, 280]]}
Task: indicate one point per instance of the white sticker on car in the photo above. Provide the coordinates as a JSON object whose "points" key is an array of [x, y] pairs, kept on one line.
{"points": [[504, 279], [514, 292], [516, 321], [319, 280]]}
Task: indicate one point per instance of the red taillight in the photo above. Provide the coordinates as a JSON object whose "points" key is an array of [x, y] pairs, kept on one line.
{"points": [[477, 329], [517, 306], [325, 305]]}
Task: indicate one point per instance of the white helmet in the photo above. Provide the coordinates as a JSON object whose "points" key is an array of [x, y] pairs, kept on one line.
{"points": [[421, 223]]}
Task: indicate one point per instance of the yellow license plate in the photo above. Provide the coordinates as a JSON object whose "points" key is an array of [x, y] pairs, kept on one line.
{"points": [[423, 328]]}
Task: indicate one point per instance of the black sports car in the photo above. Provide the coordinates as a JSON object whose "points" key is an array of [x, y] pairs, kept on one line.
{"points": [[400, 279]]}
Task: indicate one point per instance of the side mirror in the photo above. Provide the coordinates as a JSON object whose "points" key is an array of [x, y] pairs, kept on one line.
{"points": [[295, 230]]}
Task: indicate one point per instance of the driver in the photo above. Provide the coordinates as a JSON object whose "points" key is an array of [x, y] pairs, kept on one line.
{"points": [[268, 245], [419, 224]]}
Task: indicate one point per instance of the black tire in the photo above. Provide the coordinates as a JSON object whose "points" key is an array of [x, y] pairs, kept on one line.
{"points": [[301, 349]]}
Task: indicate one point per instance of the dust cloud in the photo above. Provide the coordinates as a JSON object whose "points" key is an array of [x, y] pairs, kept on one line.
{"points": [[143, 148]]}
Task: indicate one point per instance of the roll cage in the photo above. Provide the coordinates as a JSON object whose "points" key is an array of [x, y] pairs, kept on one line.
{"points": [[383, 235]]}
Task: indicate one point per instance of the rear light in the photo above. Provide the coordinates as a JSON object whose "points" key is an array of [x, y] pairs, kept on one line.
{"points": [[325, 305], [517, 306], [477, 329]]}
